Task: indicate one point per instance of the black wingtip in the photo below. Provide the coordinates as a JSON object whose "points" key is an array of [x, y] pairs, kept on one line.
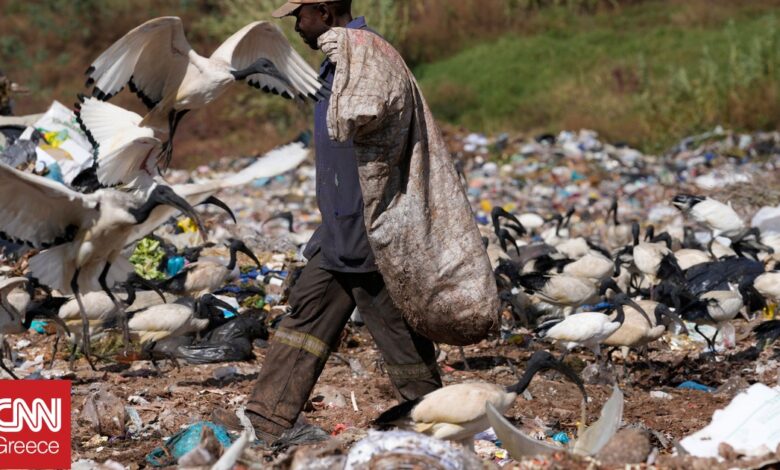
{"points": [[89, 70], [396, 413]]}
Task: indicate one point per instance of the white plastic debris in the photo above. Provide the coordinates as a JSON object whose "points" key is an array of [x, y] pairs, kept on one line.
{"points": [[589, 442], [660, 395], [750, 424]]}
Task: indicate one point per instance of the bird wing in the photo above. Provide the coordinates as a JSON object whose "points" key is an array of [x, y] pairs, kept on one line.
{"points": [[125, 149], [40, 211], [275, 162], [717, 216], [457, 404], [262, 39], [160, 318], [144, 58], [579, 327]]}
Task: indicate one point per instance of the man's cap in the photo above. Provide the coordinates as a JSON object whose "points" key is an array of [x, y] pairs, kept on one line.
{"points": [[289, 8]]}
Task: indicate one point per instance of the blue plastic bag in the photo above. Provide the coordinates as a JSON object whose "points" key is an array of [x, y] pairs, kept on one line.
{"points": [[184, 441]]}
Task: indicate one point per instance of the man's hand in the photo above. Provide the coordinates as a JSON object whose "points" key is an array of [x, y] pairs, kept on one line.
{"points": [[328, 43]]}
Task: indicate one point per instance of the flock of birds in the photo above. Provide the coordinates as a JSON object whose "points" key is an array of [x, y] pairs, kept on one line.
{"points": [[621, 292], [82, 232], [624, 291]]}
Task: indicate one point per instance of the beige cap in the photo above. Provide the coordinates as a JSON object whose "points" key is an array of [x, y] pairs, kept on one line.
{"points": [[289, 8]]}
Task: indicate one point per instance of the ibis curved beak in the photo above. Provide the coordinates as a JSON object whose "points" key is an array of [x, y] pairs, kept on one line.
{"points": [[245, 250], [174, 200], [215, 201]]}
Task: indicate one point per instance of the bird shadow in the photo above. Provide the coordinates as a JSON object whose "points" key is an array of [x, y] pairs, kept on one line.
{"points": [[481, 363], [214, 382]]}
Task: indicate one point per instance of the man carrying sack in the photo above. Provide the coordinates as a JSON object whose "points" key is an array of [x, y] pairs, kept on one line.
{"points": [[398, 238]]}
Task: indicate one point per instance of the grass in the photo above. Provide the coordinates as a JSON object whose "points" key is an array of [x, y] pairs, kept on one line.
{"points": [[649, 75]]}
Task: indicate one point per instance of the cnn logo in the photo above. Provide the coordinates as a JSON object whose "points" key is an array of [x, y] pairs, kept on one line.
{"points": [[35, 424]]}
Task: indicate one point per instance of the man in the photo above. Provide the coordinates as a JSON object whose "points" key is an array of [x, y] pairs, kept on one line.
{"points": [[341, 273]]}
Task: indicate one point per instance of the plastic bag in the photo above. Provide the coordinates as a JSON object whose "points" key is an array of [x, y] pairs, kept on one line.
{"points": [[231, 342]]}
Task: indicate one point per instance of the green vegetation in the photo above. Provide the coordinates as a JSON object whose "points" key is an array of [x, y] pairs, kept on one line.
{"points": [[642, 71], [648, 75]]}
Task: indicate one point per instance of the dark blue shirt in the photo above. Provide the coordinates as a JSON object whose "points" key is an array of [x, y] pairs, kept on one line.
{"points": [[342, 237]]}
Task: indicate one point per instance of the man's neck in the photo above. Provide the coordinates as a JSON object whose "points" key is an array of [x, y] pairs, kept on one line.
{"points": [[343, 21]]}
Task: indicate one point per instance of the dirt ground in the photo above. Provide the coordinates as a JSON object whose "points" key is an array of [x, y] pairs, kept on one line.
{"points": [[168, 399]]}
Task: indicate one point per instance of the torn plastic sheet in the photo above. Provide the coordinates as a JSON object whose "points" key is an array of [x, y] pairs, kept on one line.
{"points": [[750, 424], [589, 441]]}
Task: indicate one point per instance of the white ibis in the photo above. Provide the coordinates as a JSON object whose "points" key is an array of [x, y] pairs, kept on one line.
{"points": [[161, 67], [768, 285], [101, 310], [207, 275], [719, 218], [458, 412], [566, 291], [82, 234], [183, 317], [714, 308], [593, 266], [636, 331], [588, 329], [690, 257], [17, 313]]}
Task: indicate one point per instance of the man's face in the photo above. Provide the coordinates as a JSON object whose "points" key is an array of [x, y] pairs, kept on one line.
{"points": [[311, 22]]}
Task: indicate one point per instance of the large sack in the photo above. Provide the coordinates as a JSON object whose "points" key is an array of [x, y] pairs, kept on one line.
{"points": [[419, 221]]}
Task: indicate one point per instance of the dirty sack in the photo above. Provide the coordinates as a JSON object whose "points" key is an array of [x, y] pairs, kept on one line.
{"points": [[418, 218]]}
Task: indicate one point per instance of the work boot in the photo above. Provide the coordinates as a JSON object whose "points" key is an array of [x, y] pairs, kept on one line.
{"points": [[229, 420], [300, 434]]}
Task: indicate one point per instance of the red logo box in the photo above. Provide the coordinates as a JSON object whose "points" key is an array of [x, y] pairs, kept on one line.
{"points": [[34, 424]]}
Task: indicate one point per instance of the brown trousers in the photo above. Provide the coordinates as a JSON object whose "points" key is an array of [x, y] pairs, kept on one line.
{"points": [[322, 302]]}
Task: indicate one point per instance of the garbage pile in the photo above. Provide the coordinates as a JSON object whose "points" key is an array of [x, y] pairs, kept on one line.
{"points": [[543, 204]]}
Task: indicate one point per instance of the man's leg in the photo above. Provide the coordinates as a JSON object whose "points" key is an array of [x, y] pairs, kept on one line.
{"points": [[410, 359], [300, 347]]}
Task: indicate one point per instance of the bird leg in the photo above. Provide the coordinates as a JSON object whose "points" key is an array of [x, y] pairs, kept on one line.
{"points": [[118, 305], [54, 349], [74, 285], [466, 366], [710, 342], [5, 350]]}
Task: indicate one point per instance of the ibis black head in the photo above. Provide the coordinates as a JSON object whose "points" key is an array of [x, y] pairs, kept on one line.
{"points": [[608, 284], [661, 310], [685, 202], [208, 306], [620, 299], [262, 66], [133, 281], [649, 233], [543, 360], [635, 229], [164, 195], [237, 245]]}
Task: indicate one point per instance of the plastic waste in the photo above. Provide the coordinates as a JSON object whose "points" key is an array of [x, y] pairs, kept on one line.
{"points": [[693, 385], [104, 413], [175, 265], [750, 424], [405, 449], [231, 342], [183, 442], [589, 441]]}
